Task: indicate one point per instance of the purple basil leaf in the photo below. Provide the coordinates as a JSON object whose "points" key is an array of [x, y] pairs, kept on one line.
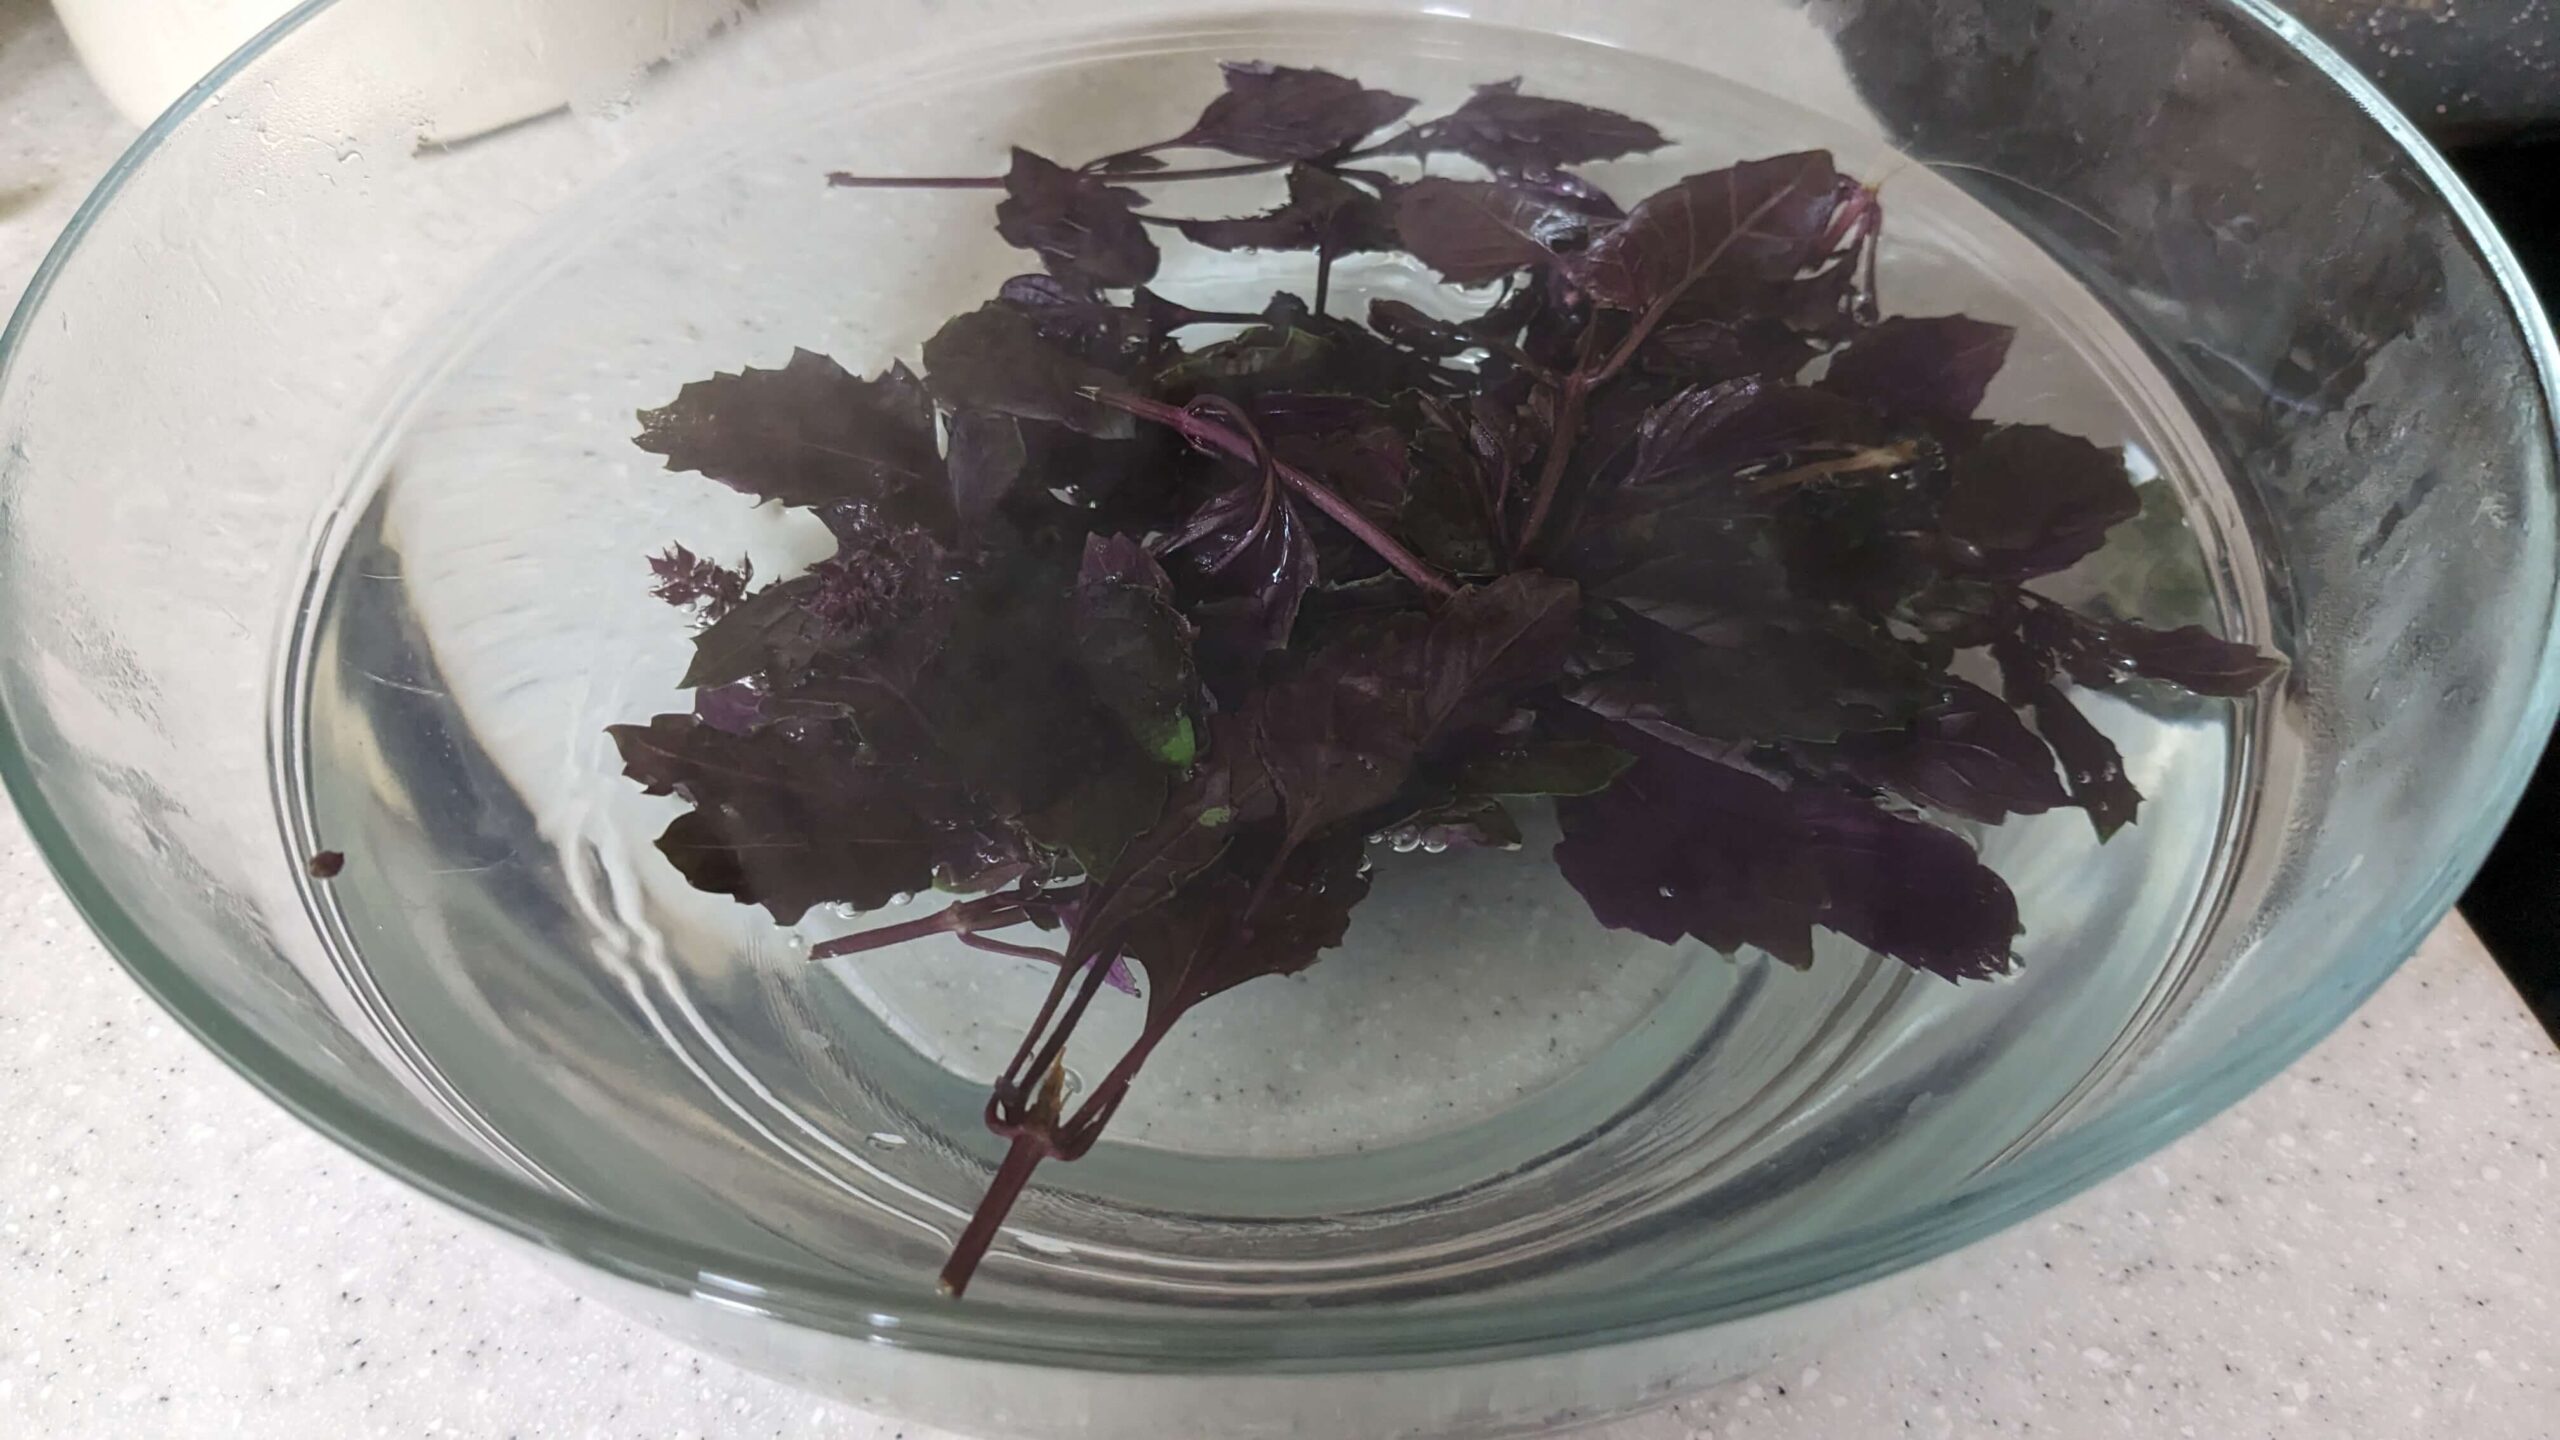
{"points": [[1443, 514], [1340, 737], [1477, 231], [1766, 681], [2028, 501], [808, 434], [736, 707], [1228, 795], [704, 586], [1469, 822], [2104, 653], [1072, 316], [1695, 541], [2092, 767], [1724, 349], [771, 631], [994, 359], [1136, 648], [1504, 130], [1324, 212], [1112, 796], [1080, 227], [1936, 368], [1343, 441], [1242, 579], [2191, 658], [884, 595], [1683, 846], [1431, 338], [1956, 612], [1009, 706], [1739, 424], [1968, 755], [1569, 190], [1759, 221], [1264, 358], [786, 818], [987, 458], [1544, 767], [1276, 112], [1226, 927]]}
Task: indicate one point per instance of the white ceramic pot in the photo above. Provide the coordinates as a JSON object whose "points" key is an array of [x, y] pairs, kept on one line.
{"points": [[476, 64]]}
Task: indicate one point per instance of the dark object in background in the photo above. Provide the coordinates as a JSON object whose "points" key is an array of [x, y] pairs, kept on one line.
{"points": [[2515, 902], [1946, 77], [2468, 71]]}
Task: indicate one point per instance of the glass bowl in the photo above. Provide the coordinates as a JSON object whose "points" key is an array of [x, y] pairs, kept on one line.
{"points": [[318, 522]]}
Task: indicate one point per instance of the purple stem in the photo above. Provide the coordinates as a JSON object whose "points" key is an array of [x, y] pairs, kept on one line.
{"points": [[995, 912], [1209, 432], [1118, 977], [846, 179]]}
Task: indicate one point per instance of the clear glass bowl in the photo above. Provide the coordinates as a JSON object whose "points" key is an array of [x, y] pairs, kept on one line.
{"points": [[211, 416]]}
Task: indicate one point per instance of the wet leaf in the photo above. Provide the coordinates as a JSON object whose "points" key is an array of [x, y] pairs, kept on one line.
{"points": [[771, 630], [1406, 326], [1968, 755], [993, 359], [1545, 767], [2029, 501], [1277, 112], [1474, 822], [1761, 220], [987, 459], [1341, 736], [1936, 367], [1765, 681], [1081, 227], [807, 434], [1504, 130], [1136, 648], [2092, 767], [1683, 846], [1324, 212], [1726, 428], [782, 821], [1474, 231]]}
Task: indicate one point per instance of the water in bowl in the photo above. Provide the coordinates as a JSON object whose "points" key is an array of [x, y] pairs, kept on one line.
{"points": [[1480, 1083]]}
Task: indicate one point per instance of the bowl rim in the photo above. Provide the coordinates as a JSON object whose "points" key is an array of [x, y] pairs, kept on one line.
{"points": [[1333, 1341]]}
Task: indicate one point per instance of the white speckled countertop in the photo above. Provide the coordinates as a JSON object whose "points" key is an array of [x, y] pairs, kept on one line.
{"points": [[2366, 1247]]}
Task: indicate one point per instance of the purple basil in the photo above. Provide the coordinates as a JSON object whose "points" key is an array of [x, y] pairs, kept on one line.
{"points": [[1131, 642]]}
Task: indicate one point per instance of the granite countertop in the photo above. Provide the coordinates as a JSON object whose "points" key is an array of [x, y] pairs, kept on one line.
{"points": [[2365, 1247]]}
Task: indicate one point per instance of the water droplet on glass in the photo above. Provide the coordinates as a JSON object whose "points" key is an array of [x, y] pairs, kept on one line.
{"points": [[1377, 837], [887, 1139], [1664, 892], [1407, 844], [1070, 1085], [902, 897], [1434, 847]]}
